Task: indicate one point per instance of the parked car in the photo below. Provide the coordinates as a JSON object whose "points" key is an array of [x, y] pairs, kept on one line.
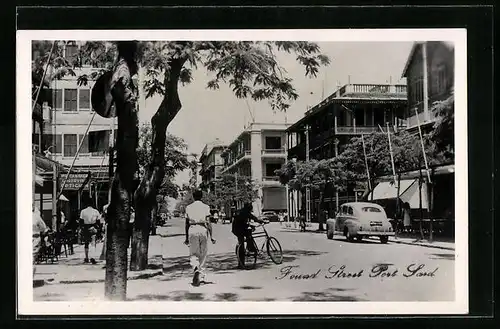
{"points": [[359, 220], [177, 213], [270, 216]]}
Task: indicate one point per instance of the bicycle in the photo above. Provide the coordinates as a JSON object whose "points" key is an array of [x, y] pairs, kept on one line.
{"points": [[273, 248]]}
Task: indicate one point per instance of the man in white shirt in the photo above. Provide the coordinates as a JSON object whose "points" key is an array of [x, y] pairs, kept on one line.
{"points": [[88, 217], [198, 228]]}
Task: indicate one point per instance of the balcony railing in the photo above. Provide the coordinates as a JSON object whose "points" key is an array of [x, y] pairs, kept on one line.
{"points": [[273, 151], [356, 129], [270, 179]]}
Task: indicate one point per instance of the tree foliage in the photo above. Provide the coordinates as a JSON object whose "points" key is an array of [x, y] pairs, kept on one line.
{"points": [[229, 189], [443, 133]]}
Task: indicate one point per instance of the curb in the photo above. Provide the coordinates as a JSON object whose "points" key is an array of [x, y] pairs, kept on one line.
{"points": [[427, 245], [138, 276]]}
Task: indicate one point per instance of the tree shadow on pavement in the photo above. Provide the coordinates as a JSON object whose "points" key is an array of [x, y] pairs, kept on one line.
{"points": [[227, 297], [180, 295], [329, 295], [225, 263], [170, 235], [442, 256], [364, 241]]}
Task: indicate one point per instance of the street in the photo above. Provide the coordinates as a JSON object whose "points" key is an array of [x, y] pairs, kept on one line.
{"points": [[313, 269]]}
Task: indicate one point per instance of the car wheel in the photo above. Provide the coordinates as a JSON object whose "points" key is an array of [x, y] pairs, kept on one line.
{"points": [[384, 239], [348, 235], [359, 237], [329, 234]]}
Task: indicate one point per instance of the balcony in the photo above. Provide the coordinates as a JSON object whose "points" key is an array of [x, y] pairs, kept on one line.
{"points": [[355, 130], [239, 158], [372, 89], [273, 153], [270, 181]]}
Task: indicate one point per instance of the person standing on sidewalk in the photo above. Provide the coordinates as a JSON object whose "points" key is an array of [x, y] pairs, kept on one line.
{"points": [[198, 229], [89, 217], [39, 229]]}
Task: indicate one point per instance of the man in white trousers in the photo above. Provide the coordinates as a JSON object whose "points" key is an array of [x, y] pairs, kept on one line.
{"points": [[198, 229]]}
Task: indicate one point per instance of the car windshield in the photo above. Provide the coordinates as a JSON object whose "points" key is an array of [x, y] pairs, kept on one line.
{"points": [[370, 209]]}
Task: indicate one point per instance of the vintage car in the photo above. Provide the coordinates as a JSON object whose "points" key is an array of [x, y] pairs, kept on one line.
{"points": [[271, 216], [359, 220]]}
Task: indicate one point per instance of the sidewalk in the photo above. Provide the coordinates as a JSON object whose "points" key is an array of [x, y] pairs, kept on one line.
{"points": [[447, 245], [72, 269]]}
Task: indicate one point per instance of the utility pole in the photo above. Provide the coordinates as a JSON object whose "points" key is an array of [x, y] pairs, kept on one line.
{"points": [[308, 190], [54, 197], [111, 158], [425, 87]]}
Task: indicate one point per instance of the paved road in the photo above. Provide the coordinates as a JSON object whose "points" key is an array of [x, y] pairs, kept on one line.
{"points": [[314, 268]]}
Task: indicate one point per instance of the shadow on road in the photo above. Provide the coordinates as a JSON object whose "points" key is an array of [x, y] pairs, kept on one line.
{"points": [[170, 235], [181, 295], [442, 256], [225, 263], [330, 295], [364, 241]]}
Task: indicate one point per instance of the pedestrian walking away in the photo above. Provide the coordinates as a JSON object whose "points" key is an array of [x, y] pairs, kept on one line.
{"points": [[198, 229], [88, 217]]}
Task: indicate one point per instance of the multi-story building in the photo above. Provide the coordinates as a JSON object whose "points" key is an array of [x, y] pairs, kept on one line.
{"points": [[212, 164], [352, 110], [68, 122], [256, 154], [438, 59]]}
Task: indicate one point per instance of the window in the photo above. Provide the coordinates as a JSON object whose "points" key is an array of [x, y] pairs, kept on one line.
{"points": [[84, 99], [70, 99], [70, 51], [350, 211], [441, 84], [70, 145], [48, 143], [56, 96], [98, 142], [370, 209], [85, 145], [273, 143], [271, 168]]}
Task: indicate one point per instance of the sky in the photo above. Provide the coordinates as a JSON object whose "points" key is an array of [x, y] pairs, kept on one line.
{"points": [[209, 114]]}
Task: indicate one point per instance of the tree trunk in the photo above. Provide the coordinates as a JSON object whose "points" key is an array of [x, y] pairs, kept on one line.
{"points": [[125, 97], [145, 195], [321, 217]]}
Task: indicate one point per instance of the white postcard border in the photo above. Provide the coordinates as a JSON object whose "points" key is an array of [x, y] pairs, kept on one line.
{"points": [[26, 305]]}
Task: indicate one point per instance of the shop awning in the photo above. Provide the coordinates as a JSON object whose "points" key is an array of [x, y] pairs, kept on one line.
{"points": [[389, 190], [39, 180], [409, 192]]}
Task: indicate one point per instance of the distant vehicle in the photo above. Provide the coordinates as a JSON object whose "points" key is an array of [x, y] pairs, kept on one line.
{"points": [[271, 216], [161, 219], [177, 213], [359, 220]]}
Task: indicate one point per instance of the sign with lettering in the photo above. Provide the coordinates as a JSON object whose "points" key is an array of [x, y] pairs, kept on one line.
{"points": [[75, 180]]}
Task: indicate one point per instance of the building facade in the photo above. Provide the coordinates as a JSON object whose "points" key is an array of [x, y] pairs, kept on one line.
{"points": [[325, 129], [256, 154], [438, 58], [71, 127], [212, 164]]}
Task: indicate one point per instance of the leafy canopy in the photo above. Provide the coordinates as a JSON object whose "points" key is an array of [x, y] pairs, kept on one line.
{"points": [[250, 68]]}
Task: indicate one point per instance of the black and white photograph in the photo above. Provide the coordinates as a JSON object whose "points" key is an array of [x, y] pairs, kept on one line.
{"points": [[258, 169]]}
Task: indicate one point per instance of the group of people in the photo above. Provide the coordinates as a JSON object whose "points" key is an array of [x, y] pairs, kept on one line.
{"points": [[198, 231]]}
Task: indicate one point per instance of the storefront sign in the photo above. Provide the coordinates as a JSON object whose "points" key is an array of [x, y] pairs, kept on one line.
{"points": [[75, 181]]}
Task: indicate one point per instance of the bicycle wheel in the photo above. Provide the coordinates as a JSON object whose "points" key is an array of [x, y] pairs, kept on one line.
{"points": [[274, 250], [250, 258]]}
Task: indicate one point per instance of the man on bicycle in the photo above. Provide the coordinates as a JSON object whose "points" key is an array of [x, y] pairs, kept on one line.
{"points": [[242, 229]]}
